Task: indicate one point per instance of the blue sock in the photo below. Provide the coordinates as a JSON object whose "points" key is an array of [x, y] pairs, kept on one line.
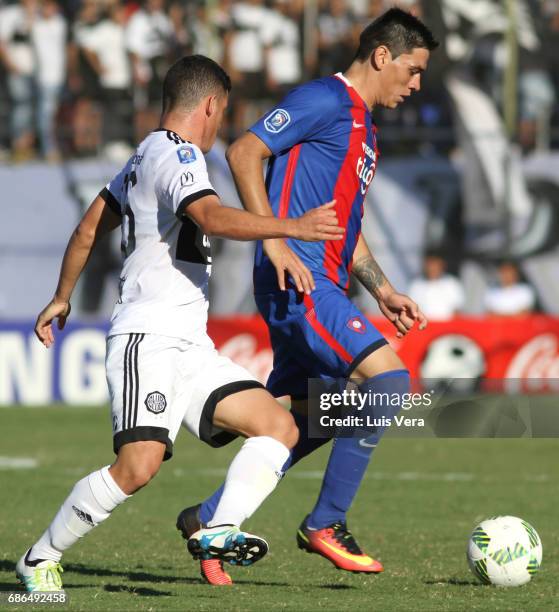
{"points": [[349, 458], [304, 447]]}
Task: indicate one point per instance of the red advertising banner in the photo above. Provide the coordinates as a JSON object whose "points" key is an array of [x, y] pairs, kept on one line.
{"points": [[494, 347], [524, 351]]}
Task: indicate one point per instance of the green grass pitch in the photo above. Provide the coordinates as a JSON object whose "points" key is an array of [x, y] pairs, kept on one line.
{"points": [[416, 508]]}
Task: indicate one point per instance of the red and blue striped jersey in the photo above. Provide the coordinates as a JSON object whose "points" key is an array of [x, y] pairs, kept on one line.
{"points": [[323, 140]]}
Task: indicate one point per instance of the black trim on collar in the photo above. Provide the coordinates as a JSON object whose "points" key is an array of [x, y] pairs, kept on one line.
{"points": [[173, 136]]}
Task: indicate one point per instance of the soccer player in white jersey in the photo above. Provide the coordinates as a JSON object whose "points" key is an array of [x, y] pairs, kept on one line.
{"points": [[162, 368]]}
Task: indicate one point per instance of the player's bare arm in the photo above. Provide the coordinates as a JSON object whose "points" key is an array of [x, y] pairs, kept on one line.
{"points": [[245, 157], [97, 221], [401, 310], [216, 220]]}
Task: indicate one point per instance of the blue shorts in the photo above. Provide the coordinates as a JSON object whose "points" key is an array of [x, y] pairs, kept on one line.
{"points": [[323, 335]]}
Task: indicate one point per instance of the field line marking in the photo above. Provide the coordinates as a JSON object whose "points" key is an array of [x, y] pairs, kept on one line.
{"points": [[18, 463], [401, 476], [318, 474]]}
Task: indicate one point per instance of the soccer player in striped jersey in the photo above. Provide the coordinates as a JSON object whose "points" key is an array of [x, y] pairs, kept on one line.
{"points": [[321, 143], [162, 369]]}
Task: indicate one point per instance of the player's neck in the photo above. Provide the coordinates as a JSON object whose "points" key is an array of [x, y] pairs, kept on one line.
{"points": [[359, 78], [185, 126]]}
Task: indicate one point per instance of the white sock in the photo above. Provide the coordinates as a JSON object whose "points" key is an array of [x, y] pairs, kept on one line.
{"points": [[252, 476], [91, 501]]}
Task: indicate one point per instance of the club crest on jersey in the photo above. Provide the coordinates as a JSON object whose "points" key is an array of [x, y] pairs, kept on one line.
{"points": [[357, 324], [155, 402], [186, 155], [277, 120]]}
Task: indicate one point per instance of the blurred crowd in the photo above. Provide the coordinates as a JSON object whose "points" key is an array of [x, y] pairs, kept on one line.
{"points": [[441, 294], [82, 77]]}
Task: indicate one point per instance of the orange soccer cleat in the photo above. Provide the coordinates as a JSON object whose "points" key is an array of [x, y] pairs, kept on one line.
{"points": [[337, 544], [211, 570], [213, 573]]}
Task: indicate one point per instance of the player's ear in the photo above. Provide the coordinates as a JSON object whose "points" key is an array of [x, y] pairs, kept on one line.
{"points": [[211, 105], [380, 57]]}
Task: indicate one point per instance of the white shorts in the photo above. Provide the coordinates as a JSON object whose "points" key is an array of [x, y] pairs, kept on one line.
{"points": [[157, 383]]}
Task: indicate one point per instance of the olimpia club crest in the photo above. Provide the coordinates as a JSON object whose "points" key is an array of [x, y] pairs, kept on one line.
{"points": [[155, 402], [505, 551]]}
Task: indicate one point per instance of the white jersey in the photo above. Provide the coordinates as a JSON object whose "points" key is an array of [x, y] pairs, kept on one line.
{"points": [[167, 265]]}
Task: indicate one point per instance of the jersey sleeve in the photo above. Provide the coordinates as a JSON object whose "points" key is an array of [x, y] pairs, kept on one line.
{"points": [[113, 192], [182, 178], [299, 116]]}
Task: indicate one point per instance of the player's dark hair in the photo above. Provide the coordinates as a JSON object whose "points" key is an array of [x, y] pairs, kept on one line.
{"points": [[398, 30], [192, 78]]}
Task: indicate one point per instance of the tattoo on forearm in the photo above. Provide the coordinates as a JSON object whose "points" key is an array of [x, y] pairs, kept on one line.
{"points": [[369, 273]]}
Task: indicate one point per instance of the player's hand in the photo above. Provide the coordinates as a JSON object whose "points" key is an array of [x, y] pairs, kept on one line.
{"points": [[43, 327], [402, 312], [286, 262], [318, 224]]}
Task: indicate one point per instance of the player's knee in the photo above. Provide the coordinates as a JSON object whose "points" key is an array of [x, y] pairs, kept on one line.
{"points": [[381, 361], [133, 475], [140, 475], [283, 428]]}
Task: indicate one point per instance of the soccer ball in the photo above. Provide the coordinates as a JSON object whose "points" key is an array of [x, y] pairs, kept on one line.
{"points": [[505, 551]]}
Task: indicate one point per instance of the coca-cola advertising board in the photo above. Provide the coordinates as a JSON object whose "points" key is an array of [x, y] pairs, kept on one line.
{"points": [[73, 370], [492, 347]]}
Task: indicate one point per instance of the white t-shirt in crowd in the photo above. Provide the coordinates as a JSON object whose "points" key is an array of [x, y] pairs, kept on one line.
{"points": [[15, 36], [107, 41], [247, 53], [149, 35], [510, 300], [281, 34], [49, 41], [439, 299]]}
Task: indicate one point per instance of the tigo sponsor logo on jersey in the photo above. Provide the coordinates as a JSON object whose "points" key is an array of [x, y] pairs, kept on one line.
{"points": [[277, 120], [155, 402], [186, 155], [366, 172]]}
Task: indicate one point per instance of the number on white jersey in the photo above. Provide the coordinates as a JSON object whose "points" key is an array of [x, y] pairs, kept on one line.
{"points": [[193, 245], [128, 242]]}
